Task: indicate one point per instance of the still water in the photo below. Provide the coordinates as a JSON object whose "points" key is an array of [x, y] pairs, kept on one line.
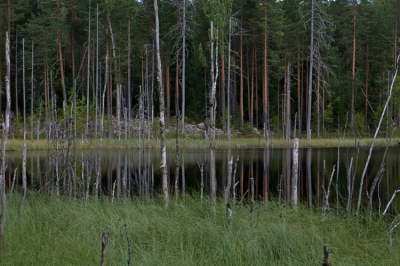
{"points": [[137, 173]]}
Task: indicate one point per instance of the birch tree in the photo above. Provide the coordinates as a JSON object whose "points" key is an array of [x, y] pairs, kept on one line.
{"points": [[6, 126], [162, 107]]}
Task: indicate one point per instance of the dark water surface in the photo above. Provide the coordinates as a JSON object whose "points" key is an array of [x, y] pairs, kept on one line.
{"points": [[124, 173]]}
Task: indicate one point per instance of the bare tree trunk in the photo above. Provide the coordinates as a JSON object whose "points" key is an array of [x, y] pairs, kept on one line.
{"points": [[183, 63], [265, 77], [16, 75], [213, 182], [309, 99], [162, 118], [241, 73], [288, 123], [228, 130], [177, 160], [375, 135], [32, 94], [353, 64], [6, 127], [64, 91], [98, 86], [177, 85], [168, 93], [23, 194], [23, 85], [118, 85], [88, 78], [129, 79]]}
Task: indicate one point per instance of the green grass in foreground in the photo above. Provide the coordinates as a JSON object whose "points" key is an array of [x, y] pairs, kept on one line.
{"points": [[56, 232], [196, 142]]}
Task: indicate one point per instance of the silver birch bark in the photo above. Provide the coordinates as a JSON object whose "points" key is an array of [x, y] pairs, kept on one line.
{"points": [[6, 127], [162, 118]]}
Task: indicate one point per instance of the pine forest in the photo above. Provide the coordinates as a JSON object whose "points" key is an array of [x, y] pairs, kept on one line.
{"points": [[279, 67]]}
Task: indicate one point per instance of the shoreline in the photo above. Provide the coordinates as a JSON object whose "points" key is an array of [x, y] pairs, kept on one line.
{"points": [[190, 142]]}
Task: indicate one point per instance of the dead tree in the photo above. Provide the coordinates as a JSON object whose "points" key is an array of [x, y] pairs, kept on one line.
{"points": [[162, 111], [6, 126]]}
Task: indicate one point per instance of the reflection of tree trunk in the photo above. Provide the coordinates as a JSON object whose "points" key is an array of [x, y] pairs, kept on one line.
{"points": [[295, 170], [309, 178], [177, 160], [183, 178], [213, 181], [288, 175], [266, 174], [349, 192], [242, 179]]}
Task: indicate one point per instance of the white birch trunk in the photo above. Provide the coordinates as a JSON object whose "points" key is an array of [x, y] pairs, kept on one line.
{"points": [[162, 118], [6, 126]]}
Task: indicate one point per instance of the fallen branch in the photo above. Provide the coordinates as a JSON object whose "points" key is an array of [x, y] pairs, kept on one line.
{"points": [[390, 201]]}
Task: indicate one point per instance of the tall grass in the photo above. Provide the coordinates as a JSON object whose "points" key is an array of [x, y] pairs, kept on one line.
{"points": [[52, 231]]}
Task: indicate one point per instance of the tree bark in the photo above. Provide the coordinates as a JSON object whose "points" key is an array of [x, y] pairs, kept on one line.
{"points": [[60, 57], [183, 64], [309, 99], [162, 118], [6, 127], [353, 64], [265, 77]]}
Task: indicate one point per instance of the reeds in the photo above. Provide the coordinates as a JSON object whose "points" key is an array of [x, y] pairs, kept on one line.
{"points": [[55, 232]]}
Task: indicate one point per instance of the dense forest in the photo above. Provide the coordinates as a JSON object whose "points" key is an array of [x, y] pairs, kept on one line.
{"points": [[278, 66]]}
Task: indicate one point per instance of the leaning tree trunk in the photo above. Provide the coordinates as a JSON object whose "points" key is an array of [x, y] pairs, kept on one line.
{"points": [[6, 126], [162, 118], [375, 135]]}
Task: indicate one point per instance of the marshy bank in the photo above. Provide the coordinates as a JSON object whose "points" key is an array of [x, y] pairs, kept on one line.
{"points": [[59, 231], [199, 142]]}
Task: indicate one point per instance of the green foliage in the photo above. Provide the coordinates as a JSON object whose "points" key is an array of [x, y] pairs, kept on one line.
{"points": [[359, 124]]}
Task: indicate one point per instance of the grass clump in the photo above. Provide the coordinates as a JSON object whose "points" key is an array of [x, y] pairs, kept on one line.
{"points": [[52, 231]]}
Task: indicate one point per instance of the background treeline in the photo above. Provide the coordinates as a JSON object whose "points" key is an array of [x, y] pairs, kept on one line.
{"points": [[95, 60]]}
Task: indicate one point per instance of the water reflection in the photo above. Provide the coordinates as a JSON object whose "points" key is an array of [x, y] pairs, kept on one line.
{"points": [[128, 173]]}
